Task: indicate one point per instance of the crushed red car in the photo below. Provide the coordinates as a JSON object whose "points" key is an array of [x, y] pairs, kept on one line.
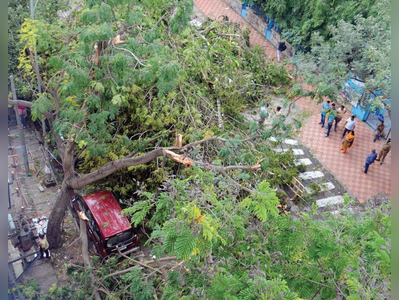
{"points": [[107, 227]]}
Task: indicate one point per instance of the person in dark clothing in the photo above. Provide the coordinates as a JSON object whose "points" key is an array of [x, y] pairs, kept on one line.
{"points": [[281, 47], [369, 160]]}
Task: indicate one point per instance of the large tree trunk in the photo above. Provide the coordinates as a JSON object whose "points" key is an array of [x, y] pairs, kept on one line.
{"points": [[57, 216]]}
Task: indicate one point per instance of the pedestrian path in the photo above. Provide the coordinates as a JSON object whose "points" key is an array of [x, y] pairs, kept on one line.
{"points": [[27, 196], [347, 168], [311, 176]]}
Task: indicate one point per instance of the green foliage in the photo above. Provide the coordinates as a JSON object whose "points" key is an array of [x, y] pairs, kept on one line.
{"points": [[263, 202], [347, 51], [264, 255], [315, 188], [300, 18], [301, 168], [18, 11], [139, 288], [30, 289], [166, 75], [166, 79]]}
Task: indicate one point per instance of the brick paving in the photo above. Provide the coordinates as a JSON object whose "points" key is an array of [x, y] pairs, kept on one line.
{"points": [[347, 168]]}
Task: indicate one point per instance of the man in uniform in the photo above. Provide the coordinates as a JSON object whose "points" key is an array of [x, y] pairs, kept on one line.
{"points": [[379, 132], [384, 151]]}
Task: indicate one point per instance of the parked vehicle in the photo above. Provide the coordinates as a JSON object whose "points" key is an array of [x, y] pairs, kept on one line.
{"points": [[107, 227]]}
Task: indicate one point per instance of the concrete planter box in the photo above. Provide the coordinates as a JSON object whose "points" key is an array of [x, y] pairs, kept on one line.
{"points": [[275, 39], [262, 28], [360, 112], [255, 21]]}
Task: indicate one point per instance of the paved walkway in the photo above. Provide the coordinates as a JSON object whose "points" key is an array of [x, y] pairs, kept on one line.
{"points": [[346, 167], [36, 200]]}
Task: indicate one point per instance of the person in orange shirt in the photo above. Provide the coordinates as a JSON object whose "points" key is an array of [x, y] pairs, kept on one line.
{"points": [[348, 141]]}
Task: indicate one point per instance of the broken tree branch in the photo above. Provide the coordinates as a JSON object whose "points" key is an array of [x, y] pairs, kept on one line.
{"points": [[135, 57]]}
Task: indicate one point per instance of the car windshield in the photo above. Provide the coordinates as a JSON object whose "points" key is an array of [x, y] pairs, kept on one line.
{"points": [[118, 238]]}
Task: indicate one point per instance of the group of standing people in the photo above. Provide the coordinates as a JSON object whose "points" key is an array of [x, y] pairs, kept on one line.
{"points": [[333, 115]]}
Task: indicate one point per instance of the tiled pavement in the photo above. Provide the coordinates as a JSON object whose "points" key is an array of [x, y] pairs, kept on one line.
{"points": [[348, 168]]}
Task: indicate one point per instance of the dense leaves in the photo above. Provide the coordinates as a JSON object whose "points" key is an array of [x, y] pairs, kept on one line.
{"points": [[336, 40], [269, 256], [125, 77], [359, 50], [299, 19], [224, 250], [155, 83], [18, 12], [115, 90]]}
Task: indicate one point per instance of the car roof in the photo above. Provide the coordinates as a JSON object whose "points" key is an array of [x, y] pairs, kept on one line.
{"points": [[107, 212]]}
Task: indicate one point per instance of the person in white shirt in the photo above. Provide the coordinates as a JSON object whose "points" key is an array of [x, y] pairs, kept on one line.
{"points": [[350, 125], [263, 114], [43, 245]]}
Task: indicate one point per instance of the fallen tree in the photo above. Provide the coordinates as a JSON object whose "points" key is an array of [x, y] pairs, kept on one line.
{"points": [[112, 108]]}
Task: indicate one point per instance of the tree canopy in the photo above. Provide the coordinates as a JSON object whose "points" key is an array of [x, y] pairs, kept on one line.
{"points": [[359, 50], [130, 89], [300, 19], [338, 40], [212, 243], [18, 11], [123, 79]]}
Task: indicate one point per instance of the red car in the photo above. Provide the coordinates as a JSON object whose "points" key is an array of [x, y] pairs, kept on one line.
{"points": [[107, 226]]}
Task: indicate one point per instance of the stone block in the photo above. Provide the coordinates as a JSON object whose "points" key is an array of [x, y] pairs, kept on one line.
{"points": [[330, 201]]}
